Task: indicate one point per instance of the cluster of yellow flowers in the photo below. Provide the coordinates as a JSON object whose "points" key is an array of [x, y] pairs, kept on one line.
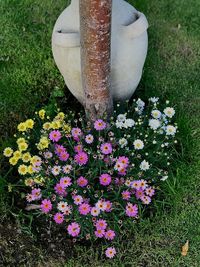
{"points": [[23, 151]]}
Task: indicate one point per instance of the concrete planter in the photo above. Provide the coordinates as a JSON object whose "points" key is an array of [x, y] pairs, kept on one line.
{"points": [[128, 49]]}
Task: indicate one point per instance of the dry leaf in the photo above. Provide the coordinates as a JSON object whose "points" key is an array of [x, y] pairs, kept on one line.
{"points": [[185, 248]]}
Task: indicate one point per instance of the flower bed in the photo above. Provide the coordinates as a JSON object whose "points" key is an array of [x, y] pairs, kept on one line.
{"points": [[95, 178]]}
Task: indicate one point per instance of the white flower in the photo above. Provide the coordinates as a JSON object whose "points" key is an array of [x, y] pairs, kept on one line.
{"points": [[63, 206], [154, 124], [169, 112], [156, 114], [164, 178], [144, 165], [95, 211], [140, 103], [129, 123], [101, 205], [123, 142], [119, 124], [154, 99], [56, 170], [138, 144], [121, 117], [170, 130]]}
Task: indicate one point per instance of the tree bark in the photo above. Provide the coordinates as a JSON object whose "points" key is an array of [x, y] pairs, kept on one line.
{"points": [[95, 33]]}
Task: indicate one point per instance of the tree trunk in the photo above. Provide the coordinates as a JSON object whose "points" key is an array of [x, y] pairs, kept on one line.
{"points": [[95, 32]]}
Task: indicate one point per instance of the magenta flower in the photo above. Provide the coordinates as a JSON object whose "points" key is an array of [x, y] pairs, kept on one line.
{"points": [[58, 218], [110, 235], [89, 139], [73, 229], [55, 136], [78, 200], [65, 182], [76, 133], [81, 158], [78, 148], [101, 224], [99, 125], [59, 149], [108, 206], [64, 156], [105, 179], [60, 189], [46, 205], [84, 209], [99, 233], [126, 195], [139, 193], [110, 252], [124, 160], [150, 191], [131, 210], [82, 182], [106, 148], [36, 193], [146, 199]]}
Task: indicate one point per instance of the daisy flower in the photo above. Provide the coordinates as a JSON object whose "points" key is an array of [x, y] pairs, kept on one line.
{"points": [[58, 218], [36, 193], [67, 169], [144, 166], [150, 191], [60, 190], [102, 205], [84, 209], [82, 181], [64, 156], [46, 205], [89, 139], [123, 142], [106, 148], [56, 170], [62, 206], [99, 125], [65, 181], [138, 144], [76, 133], [110, 252], [78, 200], [55, 136], [146, 199], [170, 130], [126, 195], [110, 235], [169, 112], [8, 151], [95, 211], [105, 179], [99, 233], [78, 148], [156, 114], [131, 210], [73, 229], [81, 158], [154, 124]]}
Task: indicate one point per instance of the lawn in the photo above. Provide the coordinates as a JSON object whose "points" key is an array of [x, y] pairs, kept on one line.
{"points": [[29, 78]]}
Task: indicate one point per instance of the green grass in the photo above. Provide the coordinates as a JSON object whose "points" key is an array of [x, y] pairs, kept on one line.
{"points": [[28, 76]]}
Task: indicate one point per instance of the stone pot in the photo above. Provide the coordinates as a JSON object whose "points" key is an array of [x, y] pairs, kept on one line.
{"points": [[129, 44]]}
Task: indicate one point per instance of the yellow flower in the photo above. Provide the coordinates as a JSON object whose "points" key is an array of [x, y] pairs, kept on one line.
{"points": [[67, 128], [44, 143], [22, 169], [30, 169], [39, 180], [29, 182], [21, 127], [29, 123], [13, 161], [42, 114], [17, 154], [60, 116], [26, 157], [21, 140], [47, 126], [56, 124], [23, 146], [8, 152], [35, 160]]}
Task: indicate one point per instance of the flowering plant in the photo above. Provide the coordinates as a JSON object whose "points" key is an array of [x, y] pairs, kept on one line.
{"points": [[95, 178]]}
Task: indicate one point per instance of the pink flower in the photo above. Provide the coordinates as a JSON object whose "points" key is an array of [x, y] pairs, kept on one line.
{"points": [[60, 189], [82, 181], [29, 197], [99, 233], [78, 200], [108, 206], [59, 149], [55, 136], [46, 205], [105, 179], [67, 169], [110, 252], [36, 193], [139, 193], [78, 148], [143, 184], [135, 185], [89, 139], [84, 209], [76, 133], [110, 235], [106, 148], [64, 156], [131, 210], [150, 191], [65, 182], [73, 229], [124, 160], [146, 199], [58, 218], [95, 211], [99, 125], [126, 195], [81, 158], [101, 224]]}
